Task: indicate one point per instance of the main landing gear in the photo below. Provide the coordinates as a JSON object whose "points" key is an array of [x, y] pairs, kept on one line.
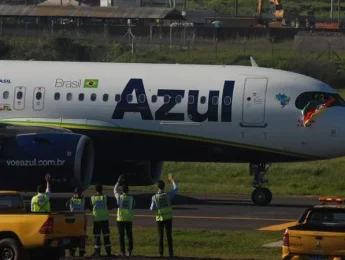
{"points": [[260, 196]]}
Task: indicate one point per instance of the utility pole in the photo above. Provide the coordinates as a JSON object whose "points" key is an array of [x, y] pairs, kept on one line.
{"points": [[331, 10], [338, 14], [236, 8]]}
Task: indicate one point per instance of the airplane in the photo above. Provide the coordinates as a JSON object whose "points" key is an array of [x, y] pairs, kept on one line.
{"points": [[88, 122]]}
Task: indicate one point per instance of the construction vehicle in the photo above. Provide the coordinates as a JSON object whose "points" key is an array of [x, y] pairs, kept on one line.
{"points": [[278, 9], [282, 17]]}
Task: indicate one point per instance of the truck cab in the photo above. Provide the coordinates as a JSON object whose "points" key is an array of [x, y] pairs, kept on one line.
{"points": [[11, 201], [319, 233]]}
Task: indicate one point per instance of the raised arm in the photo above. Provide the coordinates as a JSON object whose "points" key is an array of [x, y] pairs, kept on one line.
{"points": [[175, 187], [68, 204], [153, 205], [48, 191], [116, 189], [116, 192]]}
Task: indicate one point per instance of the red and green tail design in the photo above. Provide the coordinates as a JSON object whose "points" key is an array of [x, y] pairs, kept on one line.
{"points": [[314, 108]]}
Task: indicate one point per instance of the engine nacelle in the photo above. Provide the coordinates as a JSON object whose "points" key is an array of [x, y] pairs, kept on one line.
{"points": [[26, 158], [136, 173]]}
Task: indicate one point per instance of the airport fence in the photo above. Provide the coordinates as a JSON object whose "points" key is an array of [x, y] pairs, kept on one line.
{"points": [[183, 38]]}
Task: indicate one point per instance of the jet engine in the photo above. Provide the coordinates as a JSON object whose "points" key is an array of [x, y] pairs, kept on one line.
{"points": [[26, 158]]}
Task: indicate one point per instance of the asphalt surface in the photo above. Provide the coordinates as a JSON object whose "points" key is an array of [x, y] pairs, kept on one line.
{"points": [[204, 211]]}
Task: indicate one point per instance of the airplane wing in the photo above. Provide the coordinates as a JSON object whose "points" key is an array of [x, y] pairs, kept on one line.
{"points": [[8, 129]]}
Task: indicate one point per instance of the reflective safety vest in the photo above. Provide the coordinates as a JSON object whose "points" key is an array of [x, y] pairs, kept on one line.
{"points": [[41, 203], [77, 204], [100, 209], [163, 204], [125, 210]]}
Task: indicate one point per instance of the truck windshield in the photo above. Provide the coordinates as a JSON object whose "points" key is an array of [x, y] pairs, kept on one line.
{"points": [[11, 202]]}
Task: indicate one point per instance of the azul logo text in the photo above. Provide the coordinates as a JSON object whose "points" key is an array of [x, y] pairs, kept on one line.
{"points": [[215, 99]]}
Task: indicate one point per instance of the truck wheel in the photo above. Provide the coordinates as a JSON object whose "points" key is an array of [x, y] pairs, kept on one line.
{"points": [[10, 249]]}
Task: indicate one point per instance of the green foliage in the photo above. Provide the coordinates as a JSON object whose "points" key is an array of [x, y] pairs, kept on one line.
{"points": [[5, 50]]}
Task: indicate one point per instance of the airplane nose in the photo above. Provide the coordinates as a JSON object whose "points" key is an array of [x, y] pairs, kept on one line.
{"points": [[326, 132]]}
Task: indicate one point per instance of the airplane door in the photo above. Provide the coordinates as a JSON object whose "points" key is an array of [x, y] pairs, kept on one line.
{"points": [[19, 98], [254, 102], [38, 99]]}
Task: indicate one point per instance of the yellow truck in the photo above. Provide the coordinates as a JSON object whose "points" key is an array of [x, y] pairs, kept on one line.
{"points": [[319, 233], [30, 235]]}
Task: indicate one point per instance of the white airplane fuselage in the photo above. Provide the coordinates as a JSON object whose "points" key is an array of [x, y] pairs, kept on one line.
{"points": [[162, 112]]}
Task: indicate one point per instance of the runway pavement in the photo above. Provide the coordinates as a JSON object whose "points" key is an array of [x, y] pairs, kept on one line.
{"points": [[210, 211]]}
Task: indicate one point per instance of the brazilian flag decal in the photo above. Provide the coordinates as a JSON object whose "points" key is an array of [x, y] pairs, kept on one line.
{"points": [[91, 83]]}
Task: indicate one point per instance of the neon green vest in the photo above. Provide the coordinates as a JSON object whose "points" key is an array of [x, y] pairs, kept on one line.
{"points": [[163, 204], [125, 210], [41, 203], [100, 209], [77, 204]]}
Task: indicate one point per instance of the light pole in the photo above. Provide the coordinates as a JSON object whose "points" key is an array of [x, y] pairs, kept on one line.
{"points": [[186, 25], [338, 14], [171, 26]]}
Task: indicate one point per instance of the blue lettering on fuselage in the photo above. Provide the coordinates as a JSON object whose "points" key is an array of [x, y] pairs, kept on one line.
{"points": [[163, 112], [6, 81]]}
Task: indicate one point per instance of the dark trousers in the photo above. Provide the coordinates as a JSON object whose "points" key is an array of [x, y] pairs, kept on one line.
{"points": [[98, 227], [72, 251], [167, 224], [123, 226]]}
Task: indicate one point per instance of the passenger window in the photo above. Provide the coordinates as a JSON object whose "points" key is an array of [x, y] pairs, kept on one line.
{"points": [[69, 96], [57, 96], [5, 95], [38, 95], [215, 100], [190, 99], [178, 99], [11, 202], [166, 99], [129, 98], [142, 98], [154, 99], [203, 100], [19, 95], [81, 97], [227, 100], [117, 97], [105, 97], [93, 97], [303, 99]]}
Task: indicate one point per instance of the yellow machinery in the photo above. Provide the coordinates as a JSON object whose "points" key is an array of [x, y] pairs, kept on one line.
{"points": [[278, 12]]}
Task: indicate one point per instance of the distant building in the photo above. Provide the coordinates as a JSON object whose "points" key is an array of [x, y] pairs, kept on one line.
{"points": [[62, 2]]}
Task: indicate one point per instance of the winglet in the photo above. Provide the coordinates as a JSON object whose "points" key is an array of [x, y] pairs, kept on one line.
{"points": [[252, 61]]}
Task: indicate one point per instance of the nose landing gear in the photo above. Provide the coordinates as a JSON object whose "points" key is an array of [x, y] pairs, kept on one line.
{"points": [[260, 196]]}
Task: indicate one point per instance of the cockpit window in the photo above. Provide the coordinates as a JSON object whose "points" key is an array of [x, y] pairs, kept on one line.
{"points": [[306, 97]]}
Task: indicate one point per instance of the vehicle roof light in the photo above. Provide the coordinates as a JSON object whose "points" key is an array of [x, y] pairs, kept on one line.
{"points": [[330, 199]]}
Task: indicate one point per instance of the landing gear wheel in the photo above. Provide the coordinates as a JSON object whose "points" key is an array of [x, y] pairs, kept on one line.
{"points": [[261, 196], [10, 249]]}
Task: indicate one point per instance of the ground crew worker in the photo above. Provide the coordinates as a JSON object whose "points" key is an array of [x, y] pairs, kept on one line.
{"points": [[162, 202], [124, 219], [41, 202], [77, 204], [100, 221]]}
